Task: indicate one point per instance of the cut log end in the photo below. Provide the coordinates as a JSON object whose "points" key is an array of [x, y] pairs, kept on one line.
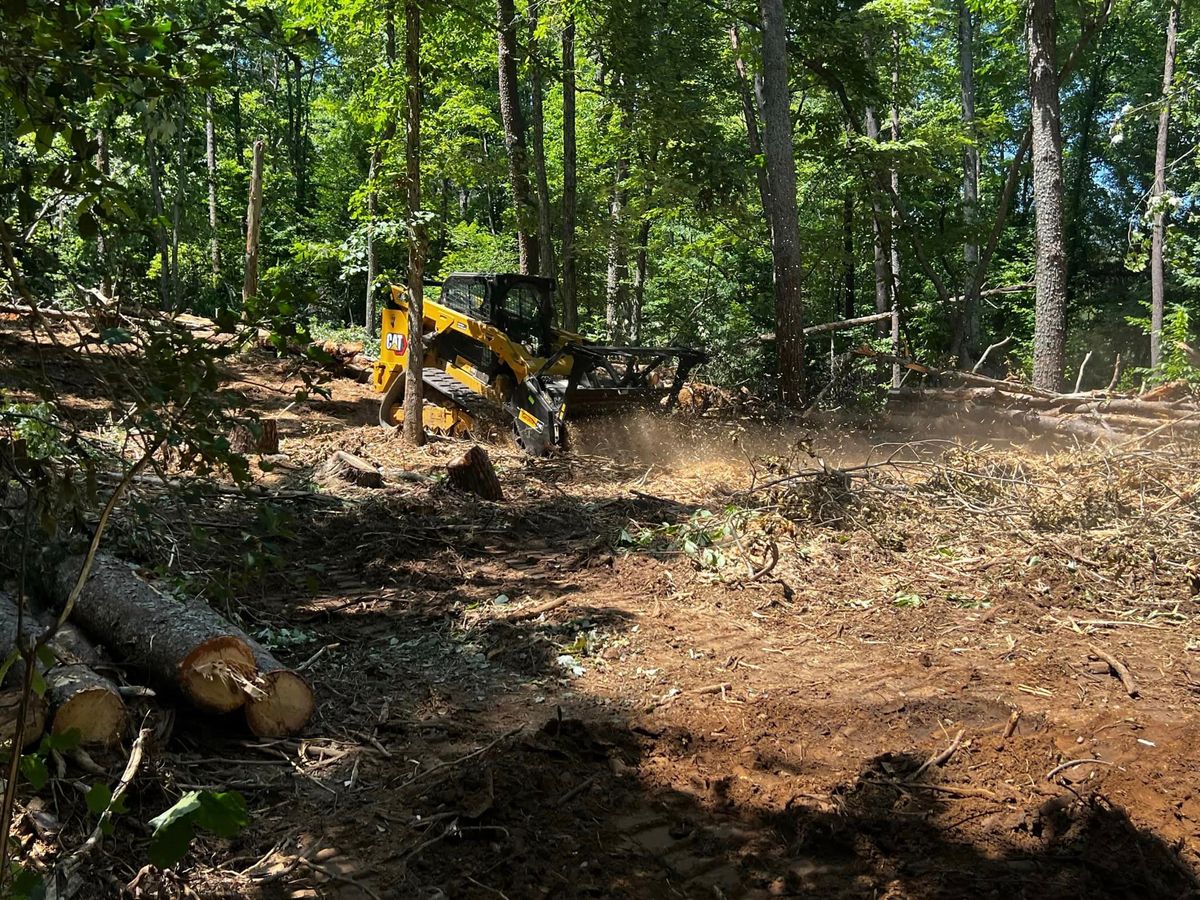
{"points": [[214, 674], [349, 468], [473, 473], [285, 709], [87, 703]]}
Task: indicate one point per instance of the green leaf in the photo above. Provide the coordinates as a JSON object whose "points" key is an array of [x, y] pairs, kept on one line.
{"points": [[170, 844], [223, 813], [38, 683], [46, 656], [33, 767], [116, 336], [98, 797]]}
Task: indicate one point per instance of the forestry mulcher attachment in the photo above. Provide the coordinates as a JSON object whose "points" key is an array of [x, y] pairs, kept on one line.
{"points": [[495, 362]]}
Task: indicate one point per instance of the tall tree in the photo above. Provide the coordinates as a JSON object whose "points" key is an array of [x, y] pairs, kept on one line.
{"points": [[514, 135], [537, 85], [966, 332], [881, 231], [253, 225], [569, 287], [414, 400], [617, 284], [1050, 279], [749, 115], [210, 158], [782, 212], [1157, 287], [370, 314]]}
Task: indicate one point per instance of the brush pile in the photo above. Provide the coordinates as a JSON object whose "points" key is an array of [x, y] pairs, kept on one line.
{"points": [[1171, 410]]}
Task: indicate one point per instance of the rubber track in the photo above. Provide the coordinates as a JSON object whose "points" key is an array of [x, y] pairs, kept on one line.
{"points": [[452, 392]]}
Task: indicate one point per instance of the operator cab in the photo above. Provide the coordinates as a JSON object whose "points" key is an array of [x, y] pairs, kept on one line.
{"points": [[521, 306]]}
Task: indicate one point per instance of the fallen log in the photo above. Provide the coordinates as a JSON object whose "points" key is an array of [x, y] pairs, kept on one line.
{"points": [[183, 645], [80, 698], [473, 473], [353, 470], [35, 717], [280, 701]]}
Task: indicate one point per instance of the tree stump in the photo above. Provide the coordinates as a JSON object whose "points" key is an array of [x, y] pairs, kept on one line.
{"points": [[261, 437], [473, 473], [353, 470]]}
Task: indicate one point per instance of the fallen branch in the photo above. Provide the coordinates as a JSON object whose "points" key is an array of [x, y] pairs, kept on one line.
{"points": [[63, 883], [999, 345], [1118, 668], [533, 611], [1071, 764], [938, 759]]}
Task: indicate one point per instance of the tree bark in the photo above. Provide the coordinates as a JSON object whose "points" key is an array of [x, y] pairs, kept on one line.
{"points": [[514, 136], [235, 91], [782, 211], [1157, 287], [545, 239], [210, 155], [351, 469], [182, 645], [966, 338], [618, 265], [1050, 327], [569, 288], [414, 426], [253, 225]]}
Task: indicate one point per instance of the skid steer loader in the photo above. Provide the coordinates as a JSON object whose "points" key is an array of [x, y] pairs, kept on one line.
{"points": [[494, 362]]}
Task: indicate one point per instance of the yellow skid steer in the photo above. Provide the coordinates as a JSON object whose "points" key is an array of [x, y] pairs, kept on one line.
{"points": [[494, 361]]}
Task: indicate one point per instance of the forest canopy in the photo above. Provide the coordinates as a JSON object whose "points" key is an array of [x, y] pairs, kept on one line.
{"points": [[622, 148]]}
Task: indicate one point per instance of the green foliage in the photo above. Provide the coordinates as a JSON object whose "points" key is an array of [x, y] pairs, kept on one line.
{"points": [[1177, 341], [221, 813]]}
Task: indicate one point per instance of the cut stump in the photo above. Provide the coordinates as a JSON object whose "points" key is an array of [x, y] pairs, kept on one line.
{"points": [[473, 473], [258, 437], [183, 645], [351, 469]]}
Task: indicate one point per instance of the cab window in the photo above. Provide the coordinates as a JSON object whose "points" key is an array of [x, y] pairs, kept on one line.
{"points": [[523, 314], [466, 297]]}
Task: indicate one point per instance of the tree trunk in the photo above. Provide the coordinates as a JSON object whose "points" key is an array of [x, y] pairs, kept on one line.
{"points": [[1049, 340], [618, 265], [881, 230], [260, 436], [514, 136], [967, 325], [353, 470], [782, 211], [569, 288], [1157, 289], [370, 313], [1081, 177], [545, 240], [848, 255], [160, 231], [236, 96], [640, 273], [749, 116], [106, 282], [177, 207], [253, 225], [210, 143], [474, 473], [182, 645], [897, 209], [414, 428]]}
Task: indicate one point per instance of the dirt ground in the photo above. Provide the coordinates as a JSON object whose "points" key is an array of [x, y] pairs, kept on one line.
{"points": [[819, 660]]}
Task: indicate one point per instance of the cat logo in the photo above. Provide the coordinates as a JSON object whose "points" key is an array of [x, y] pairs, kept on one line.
{"points": [[397, 342]]}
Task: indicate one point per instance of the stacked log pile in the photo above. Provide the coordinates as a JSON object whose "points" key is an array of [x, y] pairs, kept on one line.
{"points": [[1170, 410], [182, 646]]}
